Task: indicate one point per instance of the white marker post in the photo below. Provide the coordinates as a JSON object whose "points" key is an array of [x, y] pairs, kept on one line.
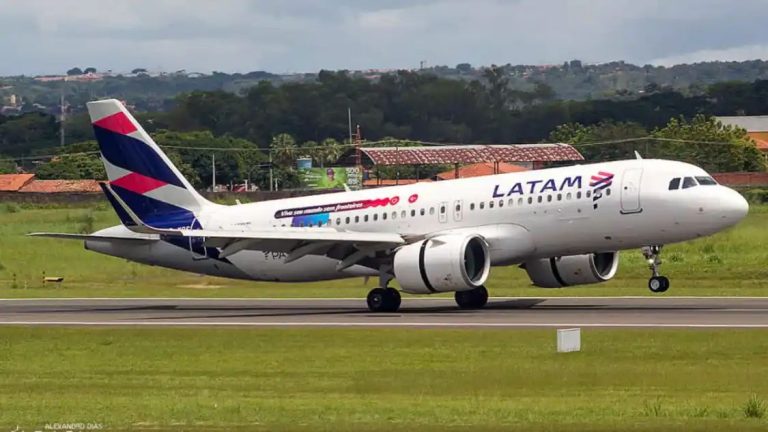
{"points": [[568, 340]]}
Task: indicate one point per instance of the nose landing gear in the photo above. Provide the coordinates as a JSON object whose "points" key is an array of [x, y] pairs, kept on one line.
{"points": [[657, 284]]}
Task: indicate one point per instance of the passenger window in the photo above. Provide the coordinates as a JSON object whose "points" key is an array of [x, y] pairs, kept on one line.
{"points": [[422, 212], [482, 205], [688, 182], [375, 216], [578, 195], [589, 194], [501, 203], [490, 204], [608, 192], [568, 196], [384, 216], [357, 219], [520, 201], [347, 220], [530, 200], [431, 211], [402, 214], [511, 202], [365, 218], [674, 184], [706, 181], [338, 221], [458, 207], [559, 197], [472, 206], [413, 213], [394, 215], [540, 199], [549, 198], [442, 209]]}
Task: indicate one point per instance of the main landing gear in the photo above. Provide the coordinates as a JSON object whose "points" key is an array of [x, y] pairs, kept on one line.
{"points": [[657, 283], [472, 299], [384, 299]]}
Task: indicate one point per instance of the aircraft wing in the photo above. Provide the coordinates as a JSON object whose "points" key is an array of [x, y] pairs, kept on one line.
{"points": [[68, 236]]}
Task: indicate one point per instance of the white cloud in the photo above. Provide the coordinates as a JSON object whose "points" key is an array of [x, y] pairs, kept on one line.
{"points": [[41, 36]]}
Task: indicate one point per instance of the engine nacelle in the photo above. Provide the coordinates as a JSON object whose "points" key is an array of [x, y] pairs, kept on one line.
{"points": [[573, 270], [451, 262]]}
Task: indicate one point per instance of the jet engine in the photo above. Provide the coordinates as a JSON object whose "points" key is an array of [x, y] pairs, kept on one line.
{"points": [[573, 270], [451, 262]]}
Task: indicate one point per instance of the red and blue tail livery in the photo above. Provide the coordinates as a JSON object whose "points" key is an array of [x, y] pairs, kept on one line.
{"points": [[139, 173]]}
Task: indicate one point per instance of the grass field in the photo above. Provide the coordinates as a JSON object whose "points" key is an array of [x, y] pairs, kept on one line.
{"points": [[730, 263], [381, 379]]}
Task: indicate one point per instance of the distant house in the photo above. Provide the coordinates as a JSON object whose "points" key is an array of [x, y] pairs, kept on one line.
{"points": [[480, 169], [14, 182], [27, 183], [391, 182], [756, 126]]}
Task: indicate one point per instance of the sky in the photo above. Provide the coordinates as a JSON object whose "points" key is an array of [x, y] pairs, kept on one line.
{"points": [[286, 36]]}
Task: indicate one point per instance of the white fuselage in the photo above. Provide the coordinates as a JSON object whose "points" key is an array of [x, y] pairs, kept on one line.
{"points": [[536, 214]]}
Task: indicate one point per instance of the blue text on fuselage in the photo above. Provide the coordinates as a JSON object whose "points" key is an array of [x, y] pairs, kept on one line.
{"points": [[537, 186]]}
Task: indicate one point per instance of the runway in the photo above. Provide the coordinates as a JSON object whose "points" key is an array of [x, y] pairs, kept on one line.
{"points": [[675, 312]]}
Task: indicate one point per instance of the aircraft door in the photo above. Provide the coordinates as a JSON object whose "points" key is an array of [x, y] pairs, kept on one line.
{"points": [[630, 191], [458, 208]]}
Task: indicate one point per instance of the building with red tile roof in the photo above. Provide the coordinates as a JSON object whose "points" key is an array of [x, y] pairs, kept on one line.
{"points": [[61, 186], [14, 182], [480, 169]]}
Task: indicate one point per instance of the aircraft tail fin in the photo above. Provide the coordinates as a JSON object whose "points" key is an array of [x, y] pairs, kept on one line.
{"points": [[139, 173]]}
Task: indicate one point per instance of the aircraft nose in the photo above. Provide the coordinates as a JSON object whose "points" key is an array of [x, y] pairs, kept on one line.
{"points": [[733, 206]]}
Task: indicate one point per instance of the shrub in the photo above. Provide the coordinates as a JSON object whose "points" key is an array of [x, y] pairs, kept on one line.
{"points": [[754, 408]]}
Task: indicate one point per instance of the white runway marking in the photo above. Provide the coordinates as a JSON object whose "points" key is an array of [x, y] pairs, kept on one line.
{"points": [[372, 324]]}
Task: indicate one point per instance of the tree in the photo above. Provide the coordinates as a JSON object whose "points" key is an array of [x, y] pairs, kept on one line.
{"points": [[330, 152], [464, 68], [708, 143], [7, 165], [138, 71], [72, 167], [75, 71], [89, 70], [605, 141], [283, 149]]}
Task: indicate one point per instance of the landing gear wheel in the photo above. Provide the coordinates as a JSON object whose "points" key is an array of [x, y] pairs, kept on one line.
{"points": [[658, 284], [394, 298], [472, 299], [383, 300]]}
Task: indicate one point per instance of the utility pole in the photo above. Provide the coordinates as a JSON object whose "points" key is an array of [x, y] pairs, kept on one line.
{"points": [[349, 123], [271, 183], [62, 119], [213, 172]]}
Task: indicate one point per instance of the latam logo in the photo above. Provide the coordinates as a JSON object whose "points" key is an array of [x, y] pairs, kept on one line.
{"points": [[536, 186], [599, 183]]}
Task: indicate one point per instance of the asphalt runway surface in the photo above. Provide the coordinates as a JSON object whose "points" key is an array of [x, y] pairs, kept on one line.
{"points": [[683, 312]]}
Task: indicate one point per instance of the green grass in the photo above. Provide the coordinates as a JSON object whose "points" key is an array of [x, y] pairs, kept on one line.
{"points": [[730, 263], [382, 379]]}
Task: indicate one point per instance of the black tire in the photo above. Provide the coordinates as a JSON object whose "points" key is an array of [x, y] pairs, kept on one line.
{"points": [[658, 284], [472, 299], [377, 300], [394, 299]]}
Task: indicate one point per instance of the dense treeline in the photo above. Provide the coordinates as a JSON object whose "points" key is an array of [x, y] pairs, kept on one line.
{"points": [[413, 106], [427, 108]]}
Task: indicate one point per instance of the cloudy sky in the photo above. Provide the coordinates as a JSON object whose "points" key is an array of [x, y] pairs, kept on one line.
{"points": [[307, 35]]}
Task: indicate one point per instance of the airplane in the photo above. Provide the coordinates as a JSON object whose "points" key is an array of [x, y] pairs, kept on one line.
{"points": [[564, 226]]}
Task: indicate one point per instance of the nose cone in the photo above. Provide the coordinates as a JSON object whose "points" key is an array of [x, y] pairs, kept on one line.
{"points": [[733, 206]]}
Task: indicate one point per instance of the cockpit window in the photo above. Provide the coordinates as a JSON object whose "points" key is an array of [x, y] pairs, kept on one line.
{"points": [[688, 182], [706, 181], [674, 184]]}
